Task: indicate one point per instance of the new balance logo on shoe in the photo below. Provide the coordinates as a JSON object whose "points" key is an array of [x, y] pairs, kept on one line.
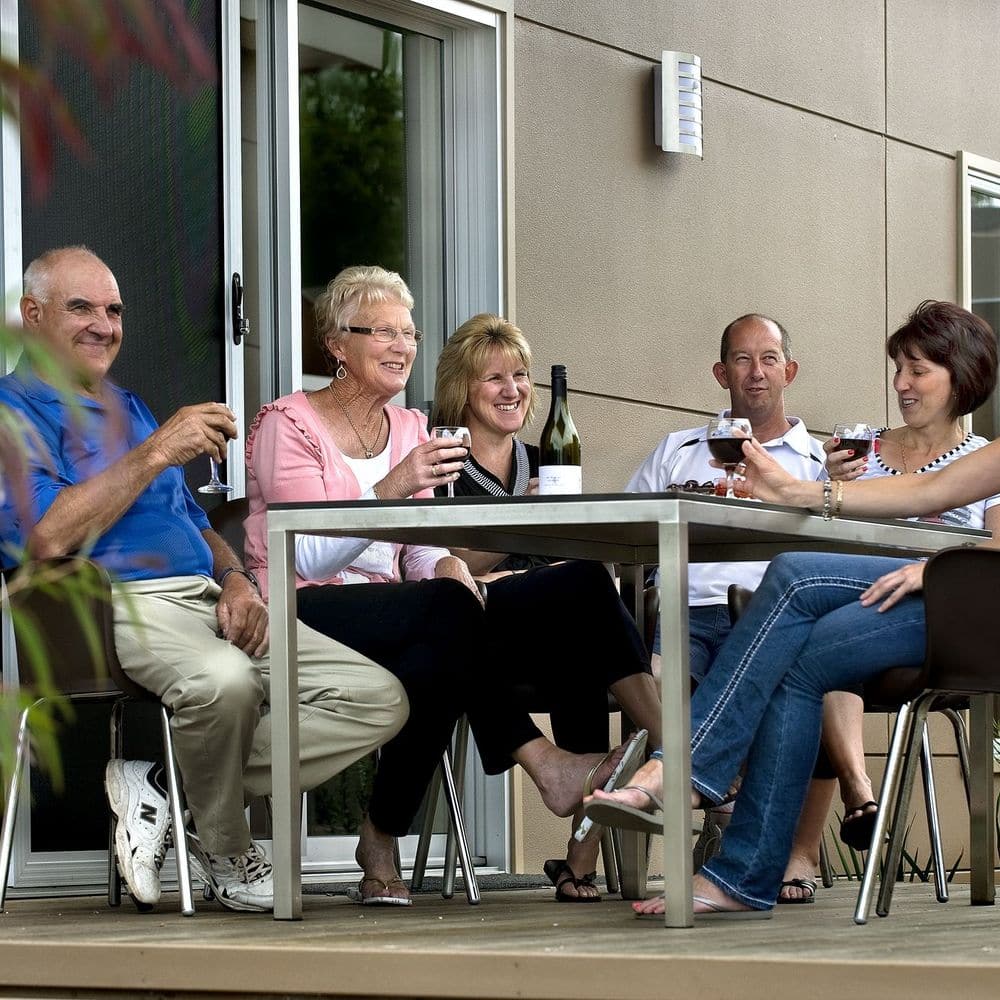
{"points": [[142, 825]]}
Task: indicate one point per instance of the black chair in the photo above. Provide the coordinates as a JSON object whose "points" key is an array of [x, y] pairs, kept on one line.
{"points": [[227, 519], [960, 588], [893, 692], [74, 637]]}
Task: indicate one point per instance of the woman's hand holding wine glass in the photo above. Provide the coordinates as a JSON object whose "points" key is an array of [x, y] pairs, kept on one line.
{"points": [[847, 451], [430, 464]]}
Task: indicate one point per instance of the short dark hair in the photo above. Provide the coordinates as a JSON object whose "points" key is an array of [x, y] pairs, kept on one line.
{"points": [[786, 344], [957, 339]]}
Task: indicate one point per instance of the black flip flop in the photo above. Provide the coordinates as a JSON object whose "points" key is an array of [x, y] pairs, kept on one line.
{"points": [[856, 831], [559, 873], [808, 885]]}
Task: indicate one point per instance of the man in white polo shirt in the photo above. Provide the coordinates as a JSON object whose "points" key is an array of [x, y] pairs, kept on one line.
{"points": [[755, 366]]}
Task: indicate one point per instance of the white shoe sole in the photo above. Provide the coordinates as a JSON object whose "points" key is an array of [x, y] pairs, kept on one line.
{"points": [[201, 868]]}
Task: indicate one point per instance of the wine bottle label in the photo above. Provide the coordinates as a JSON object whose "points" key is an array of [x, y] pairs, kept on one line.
{"points": [[556, 479]]}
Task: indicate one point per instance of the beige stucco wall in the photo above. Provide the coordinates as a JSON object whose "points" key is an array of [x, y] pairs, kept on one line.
{"points": [[826, 197]]}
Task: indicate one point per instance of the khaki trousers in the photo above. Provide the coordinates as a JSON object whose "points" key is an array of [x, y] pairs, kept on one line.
{"points": [[166, 638]]}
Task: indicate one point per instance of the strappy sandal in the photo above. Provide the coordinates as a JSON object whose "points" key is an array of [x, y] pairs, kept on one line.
{"points": [[559, 874], [382, 898], [806, 885]]}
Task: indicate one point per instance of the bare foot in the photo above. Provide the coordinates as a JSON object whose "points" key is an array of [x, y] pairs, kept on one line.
{"points": [[376, 856], [709, 890], [634, 794], [855, 789], [657, 904], [801, 868], [648, 777], [701, 887], [559, 775]]}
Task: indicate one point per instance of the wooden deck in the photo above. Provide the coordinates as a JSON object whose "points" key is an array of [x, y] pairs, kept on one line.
{"points": [[516, 944]]}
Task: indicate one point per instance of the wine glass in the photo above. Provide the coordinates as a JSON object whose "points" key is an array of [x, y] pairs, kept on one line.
{"points": [[725, 441], [462, 433], [214, 484], [857, 437]]}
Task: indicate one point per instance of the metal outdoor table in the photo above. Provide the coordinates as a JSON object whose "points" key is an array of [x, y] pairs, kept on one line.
{"points": [[670, 529]]}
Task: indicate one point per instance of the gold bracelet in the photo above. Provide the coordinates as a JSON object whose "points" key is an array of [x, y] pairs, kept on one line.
{"points": [[839, 500], [827, 490]]}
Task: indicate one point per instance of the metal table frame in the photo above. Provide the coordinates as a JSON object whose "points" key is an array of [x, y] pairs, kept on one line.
{"points": [[669, 529]]}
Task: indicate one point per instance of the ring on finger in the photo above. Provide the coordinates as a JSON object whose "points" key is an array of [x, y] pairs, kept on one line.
{"points": [[434, 470]]}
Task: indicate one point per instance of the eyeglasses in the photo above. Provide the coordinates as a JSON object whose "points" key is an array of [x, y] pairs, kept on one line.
{"points": [[386, 334]]}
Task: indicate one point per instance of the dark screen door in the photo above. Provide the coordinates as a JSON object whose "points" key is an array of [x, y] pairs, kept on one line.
{"points": [[148, 200]]}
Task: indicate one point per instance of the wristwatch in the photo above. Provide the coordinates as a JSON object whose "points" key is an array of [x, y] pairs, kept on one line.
{"points": [[243, 572]]}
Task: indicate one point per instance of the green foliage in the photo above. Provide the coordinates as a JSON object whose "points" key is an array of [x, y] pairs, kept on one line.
{"points": [[338, 804], [352, 167], [852, 862]]}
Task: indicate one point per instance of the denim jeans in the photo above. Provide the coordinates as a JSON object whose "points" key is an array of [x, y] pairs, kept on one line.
{"points": [[804, 633], [709, 625]]}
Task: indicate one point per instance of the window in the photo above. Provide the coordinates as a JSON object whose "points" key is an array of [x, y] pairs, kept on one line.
{"points": [[979, 259]]}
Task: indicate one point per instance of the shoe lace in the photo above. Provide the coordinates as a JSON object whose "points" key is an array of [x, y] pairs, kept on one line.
{"points": [[252, 865], [161, 851]]}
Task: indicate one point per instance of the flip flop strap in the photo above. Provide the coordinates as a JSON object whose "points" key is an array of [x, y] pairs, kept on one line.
{"points": [[657, 803]]}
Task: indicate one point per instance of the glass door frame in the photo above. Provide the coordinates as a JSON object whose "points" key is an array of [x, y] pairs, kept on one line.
{"points": [[478, 180]]}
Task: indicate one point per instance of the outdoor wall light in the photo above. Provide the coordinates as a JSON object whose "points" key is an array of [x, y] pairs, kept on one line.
{"points": [[677, 103]]}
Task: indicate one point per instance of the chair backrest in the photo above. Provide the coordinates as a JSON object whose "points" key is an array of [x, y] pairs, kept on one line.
{"points": [[960, 593], [227, 519], [63, 627], [738, 598]]}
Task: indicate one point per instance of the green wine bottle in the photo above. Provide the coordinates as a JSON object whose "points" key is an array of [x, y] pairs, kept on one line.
{"points": [[559, 468]]}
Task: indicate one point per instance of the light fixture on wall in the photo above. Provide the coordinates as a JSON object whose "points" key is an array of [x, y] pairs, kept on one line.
{"points": [[677, 102]]}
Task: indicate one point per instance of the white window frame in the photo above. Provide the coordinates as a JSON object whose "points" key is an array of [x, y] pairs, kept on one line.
{"points": [[975, 173]]}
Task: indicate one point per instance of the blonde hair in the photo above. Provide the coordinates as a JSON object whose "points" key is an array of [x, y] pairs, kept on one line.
{"points": [[345, 296], [466, 356]]}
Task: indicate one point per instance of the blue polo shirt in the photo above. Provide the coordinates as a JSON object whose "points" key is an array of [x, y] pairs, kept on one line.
{"points": [[160, 535]]}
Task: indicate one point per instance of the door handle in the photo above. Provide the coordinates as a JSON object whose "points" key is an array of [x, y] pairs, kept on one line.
{"points": [[241, 325]]}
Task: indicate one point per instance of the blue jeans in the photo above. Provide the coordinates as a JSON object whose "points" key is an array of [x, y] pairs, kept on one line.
{"points": [[804, 633], [709, 625]]}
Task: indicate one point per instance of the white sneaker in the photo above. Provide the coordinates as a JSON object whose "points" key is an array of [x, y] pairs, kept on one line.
{"points": [[244, 882], [143, 823]]}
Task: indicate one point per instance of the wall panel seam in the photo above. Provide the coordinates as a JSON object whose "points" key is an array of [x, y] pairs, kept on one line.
{"points": [[882, 133]]}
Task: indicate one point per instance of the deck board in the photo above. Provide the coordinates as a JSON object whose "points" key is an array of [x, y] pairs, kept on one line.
{"points": [[515, 944]]}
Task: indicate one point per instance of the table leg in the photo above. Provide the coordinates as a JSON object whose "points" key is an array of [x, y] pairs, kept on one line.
{"points": [[286, 846], [675, 689], [633, 846], [982, 835]]}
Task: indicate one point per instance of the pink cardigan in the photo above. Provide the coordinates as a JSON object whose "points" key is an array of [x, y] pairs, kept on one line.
{"points": [[291, 457]]}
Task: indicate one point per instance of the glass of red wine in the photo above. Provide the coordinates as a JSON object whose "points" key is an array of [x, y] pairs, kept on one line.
{"points": [[856, 437], [725, 441]]}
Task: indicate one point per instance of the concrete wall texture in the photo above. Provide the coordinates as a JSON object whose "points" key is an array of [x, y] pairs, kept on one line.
{"points": [[827, 198]]}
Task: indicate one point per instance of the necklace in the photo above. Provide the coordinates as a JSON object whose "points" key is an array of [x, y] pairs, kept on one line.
{"points": [[369, 449], [902, 451]]}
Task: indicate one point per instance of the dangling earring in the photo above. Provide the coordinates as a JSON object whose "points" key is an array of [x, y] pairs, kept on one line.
{"points": [[341, 373]]}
